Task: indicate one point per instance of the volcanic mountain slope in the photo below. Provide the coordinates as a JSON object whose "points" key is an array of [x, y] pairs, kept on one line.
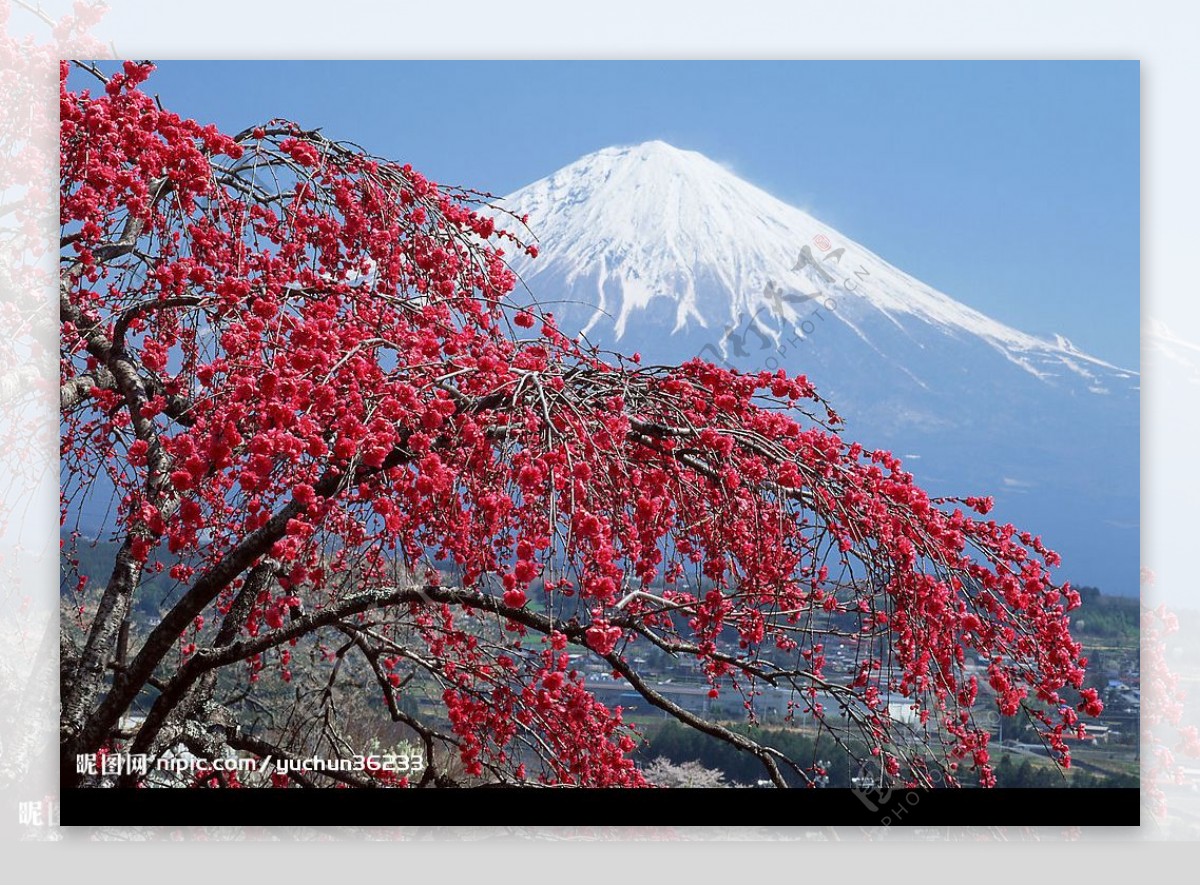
{"points": [[663, 251]]}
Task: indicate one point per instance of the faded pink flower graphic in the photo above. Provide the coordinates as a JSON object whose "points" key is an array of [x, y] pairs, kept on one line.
{"points": [[32, 40]]}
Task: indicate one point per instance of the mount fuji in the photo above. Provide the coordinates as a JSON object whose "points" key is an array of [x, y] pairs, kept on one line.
{"points": [[665, 252]]}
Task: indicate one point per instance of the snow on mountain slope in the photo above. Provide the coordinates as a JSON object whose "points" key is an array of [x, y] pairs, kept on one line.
{"points": [[660, 250], [627, 226]]}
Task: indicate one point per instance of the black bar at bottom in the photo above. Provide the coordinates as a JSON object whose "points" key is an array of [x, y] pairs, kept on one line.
{"points": [[536, 807]]}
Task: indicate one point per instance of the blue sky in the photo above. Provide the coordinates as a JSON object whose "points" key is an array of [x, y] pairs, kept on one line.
{"points": [[1011, 186]]}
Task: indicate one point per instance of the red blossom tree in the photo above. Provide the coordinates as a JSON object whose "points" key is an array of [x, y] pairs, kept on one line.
{"points": [[350, 452]]}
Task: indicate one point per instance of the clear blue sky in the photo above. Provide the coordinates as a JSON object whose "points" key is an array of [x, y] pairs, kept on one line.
{"points": [[1012, 186]]}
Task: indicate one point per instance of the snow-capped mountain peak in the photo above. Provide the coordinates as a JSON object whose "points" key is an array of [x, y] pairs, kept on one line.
{"points": [[652, 233], [660, 250]]}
